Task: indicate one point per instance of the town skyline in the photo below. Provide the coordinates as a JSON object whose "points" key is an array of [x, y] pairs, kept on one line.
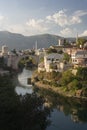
{"points": [[65, 18]]}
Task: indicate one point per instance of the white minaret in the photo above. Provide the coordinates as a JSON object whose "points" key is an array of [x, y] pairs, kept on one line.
{"points": [[36, 46], [77, 38], [60, 42], [4, 50]]}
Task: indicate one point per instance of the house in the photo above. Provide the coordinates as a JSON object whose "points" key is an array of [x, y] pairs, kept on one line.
{"points": [[85, 46], [79, 58], [41, 67], [52, 62], [69, 50]]}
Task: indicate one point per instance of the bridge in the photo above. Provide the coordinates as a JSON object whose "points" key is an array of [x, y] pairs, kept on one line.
{"points": [[13, 60]]}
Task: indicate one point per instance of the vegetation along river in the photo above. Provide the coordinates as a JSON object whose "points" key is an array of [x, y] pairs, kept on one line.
{"points": [[64, 113]]}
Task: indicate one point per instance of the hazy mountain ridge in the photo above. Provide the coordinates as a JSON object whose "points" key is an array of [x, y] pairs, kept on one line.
{"points": [[19, 41]]}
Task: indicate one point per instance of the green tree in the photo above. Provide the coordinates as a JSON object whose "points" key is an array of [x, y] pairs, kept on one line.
{"points": [[14, 51], [74, 85], [67, 77], [82, 73], [66, 43], [80, 41], [66, 57], [51, 50]]}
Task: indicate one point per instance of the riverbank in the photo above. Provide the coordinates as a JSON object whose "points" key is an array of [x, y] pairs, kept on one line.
{"points": [[57, 90], [65, 83], [39, 84]]}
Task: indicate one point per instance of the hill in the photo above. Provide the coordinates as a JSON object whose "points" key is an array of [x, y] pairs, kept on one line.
{"points": [[18, 41]]}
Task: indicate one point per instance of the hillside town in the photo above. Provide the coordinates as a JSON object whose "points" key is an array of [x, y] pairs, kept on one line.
{"points": [[58, 57], [64, 65], [56, 60]]}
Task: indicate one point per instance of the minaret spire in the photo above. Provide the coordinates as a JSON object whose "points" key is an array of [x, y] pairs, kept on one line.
{"points": [[36, 45], [77, 38]]}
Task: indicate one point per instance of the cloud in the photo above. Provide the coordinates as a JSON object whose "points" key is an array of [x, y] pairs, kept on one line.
{"points": [[84, 33], [3, 22], [1, 18], [62, 19], [75, 20], [76, 17], [16, 28], [32, 27], [49, 17], [50, 24], [66, 32], [38, 25], [59, 18], [80, 13]]}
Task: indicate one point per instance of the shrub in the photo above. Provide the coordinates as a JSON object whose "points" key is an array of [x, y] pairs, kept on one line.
{"points": [[74, 85]]}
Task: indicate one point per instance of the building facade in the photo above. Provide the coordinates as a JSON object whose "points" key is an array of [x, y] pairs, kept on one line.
{"points": [[79, 58], [52, 62]]}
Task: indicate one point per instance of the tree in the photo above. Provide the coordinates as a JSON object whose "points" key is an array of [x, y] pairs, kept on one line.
{"points": [[66, 57], [74, 85], [51, 50], [81, 42], [67, 77], [14, 51], [66, 43], [82, 73]]}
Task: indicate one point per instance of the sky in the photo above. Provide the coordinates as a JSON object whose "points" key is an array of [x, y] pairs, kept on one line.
{"points": [[32, 17]]}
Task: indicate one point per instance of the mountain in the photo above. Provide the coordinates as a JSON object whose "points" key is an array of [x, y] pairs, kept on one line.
{"points": [[18, 41], [12, 40], [74, 39]]}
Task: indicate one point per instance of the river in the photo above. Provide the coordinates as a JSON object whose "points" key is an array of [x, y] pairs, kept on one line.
{"points": [[66, 113]]}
